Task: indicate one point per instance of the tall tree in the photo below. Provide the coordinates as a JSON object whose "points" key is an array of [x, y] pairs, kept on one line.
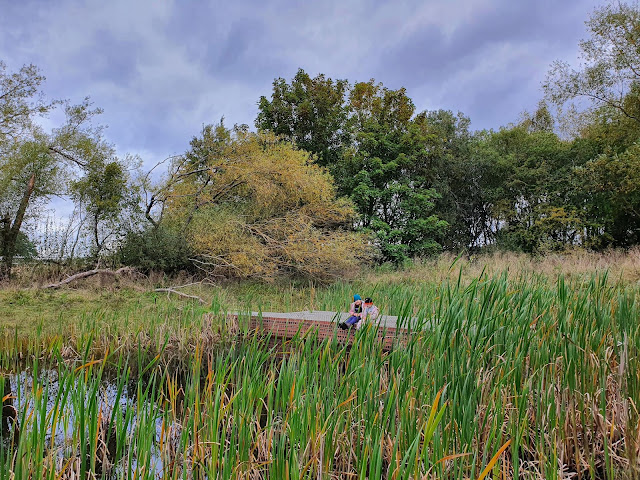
{"points": [[608, 189], [609, 79], [532, 201], [366, 136], [611, 65], [20, 101], [35, 165], [250, 205], [387, 175], [447, 161], [311, 112], [105, 192]]}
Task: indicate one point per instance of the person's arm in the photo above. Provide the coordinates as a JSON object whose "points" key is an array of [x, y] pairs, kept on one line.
{"points": [[373, 312], [352, 309]]}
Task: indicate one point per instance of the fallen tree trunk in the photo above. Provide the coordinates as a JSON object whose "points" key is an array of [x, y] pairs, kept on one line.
{"points": [[90, 273], [180, 294]]}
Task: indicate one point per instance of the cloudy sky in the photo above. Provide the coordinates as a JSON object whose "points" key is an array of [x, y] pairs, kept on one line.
{"points": [[162, 69]]}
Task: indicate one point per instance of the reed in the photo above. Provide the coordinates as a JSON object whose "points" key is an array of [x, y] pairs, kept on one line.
{"points": [[523, 376]]}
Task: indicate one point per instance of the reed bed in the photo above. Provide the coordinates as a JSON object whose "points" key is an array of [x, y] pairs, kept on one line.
{"points": [[520, 376]]}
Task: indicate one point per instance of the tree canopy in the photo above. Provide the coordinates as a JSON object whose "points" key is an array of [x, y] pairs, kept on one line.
{"points": [[610, 68], [252, 206]]}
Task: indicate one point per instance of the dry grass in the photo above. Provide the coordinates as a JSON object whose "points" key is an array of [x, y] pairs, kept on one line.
{"points": [[622, 266]]}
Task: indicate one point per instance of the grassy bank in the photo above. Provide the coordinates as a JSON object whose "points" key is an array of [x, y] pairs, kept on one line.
{"points": [[27, 306]]}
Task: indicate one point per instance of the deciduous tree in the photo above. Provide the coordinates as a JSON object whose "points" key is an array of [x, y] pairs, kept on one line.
{"points": [[106, 193], [388, 176], [311, 112], [35, 165], [610, 68], [251, 205]]}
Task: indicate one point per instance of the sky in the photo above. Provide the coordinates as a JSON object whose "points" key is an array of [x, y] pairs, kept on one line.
{"points": [[163, 69]]}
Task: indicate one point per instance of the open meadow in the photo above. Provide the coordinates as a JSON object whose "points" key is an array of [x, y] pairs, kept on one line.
{"points": [[522, 368]]}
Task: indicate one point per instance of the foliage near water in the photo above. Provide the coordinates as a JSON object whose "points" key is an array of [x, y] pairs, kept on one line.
{"points": [[508, 375]]}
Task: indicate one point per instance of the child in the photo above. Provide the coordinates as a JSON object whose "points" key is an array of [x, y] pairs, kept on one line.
{"points": [[355, 310], [369, 312]]}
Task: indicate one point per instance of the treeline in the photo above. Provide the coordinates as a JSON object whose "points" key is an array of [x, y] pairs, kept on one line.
{"points": [[338, 173]]}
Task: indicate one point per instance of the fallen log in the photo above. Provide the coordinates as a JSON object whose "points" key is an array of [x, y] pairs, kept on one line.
{"points": [[90, 273], [180, 294]]}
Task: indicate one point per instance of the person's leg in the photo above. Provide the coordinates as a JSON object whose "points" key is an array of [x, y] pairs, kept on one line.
{"points": [[352, 320]]}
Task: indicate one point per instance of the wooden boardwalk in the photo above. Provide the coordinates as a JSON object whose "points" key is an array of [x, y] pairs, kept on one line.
{"points": [[287, 325]]}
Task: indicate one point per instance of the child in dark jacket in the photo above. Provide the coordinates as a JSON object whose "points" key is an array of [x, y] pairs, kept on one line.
{"points": [[355, 312]]}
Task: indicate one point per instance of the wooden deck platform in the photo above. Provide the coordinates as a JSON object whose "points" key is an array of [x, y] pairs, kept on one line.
{"points": [[287, 325]]}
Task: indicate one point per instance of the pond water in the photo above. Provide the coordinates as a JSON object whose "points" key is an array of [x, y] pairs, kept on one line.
{"points": [[58, 410]]}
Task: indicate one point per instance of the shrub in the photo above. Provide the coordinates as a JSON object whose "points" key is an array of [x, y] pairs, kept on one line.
{"points": [[156, 248]]}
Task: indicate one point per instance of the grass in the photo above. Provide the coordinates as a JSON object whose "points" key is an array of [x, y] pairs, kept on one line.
{"points": [[526, 373]]}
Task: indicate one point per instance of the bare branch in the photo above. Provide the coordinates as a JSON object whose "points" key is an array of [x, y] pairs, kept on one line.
{"points": [[90, 273], [67, 156], [180, 294]]}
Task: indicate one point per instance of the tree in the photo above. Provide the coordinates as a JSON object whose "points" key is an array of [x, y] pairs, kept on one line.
{"points": [[611, 65], [24, 247], [387, 174], [540, 121], [533, 198], [612, 183], [250, 205], [20, 101], [105, 192], [447, 162], [609, 78], [35, 165], [311, 112], [366, 137], [156, 248]]}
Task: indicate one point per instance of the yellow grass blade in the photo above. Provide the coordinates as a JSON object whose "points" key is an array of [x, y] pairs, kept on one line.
{"points": [[350, 399], [434, 407], [86, 365], [451, 457], [493, 461], [293, 388]]}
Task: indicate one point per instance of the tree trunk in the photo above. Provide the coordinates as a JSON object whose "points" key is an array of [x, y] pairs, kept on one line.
{"points": [[96, 237], [10, 234], [4, 243], [90, 273]]}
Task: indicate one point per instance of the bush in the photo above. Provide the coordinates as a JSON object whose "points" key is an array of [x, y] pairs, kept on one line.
{"points": [[156, 249]]}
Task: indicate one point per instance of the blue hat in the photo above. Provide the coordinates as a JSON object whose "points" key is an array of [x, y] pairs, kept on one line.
{"points": [[356, 297]]}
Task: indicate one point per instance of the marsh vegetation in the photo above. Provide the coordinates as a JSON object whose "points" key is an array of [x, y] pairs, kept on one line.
{"points": [[521, 374]]}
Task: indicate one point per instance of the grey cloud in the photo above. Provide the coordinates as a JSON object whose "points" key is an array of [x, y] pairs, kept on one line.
{"points": [[109, 58], [160, 69], [519, 39], [430, 54]]}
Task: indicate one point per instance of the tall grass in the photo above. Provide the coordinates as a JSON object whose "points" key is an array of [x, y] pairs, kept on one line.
{"points": [[522, 376]]}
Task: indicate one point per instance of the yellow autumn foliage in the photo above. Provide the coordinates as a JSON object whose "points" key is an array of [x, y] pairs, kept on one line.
{"points": [[253, 206]]}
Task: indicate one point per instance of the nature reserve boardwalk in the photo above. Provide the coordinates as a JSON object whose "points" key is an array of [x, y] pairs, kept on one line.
{"points": [[287, 325]]}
